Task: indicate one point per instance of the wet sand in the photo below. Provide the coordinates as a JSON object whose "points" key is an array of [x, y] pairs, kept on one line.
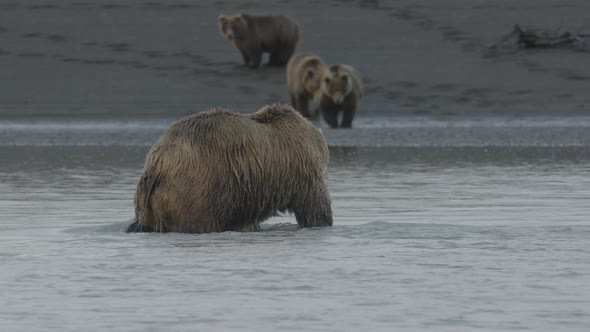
{"points": [[166, 59]]}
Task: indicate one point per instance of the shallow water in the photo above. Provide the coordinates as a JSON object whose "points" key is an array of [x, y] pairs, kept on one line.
{"points": [[497, 131], [445, 239]]}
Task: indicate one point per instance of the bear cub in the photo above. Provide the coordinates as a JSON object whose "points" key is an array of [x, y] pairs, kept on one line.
{"points": [[256, 34], [341, 89], [304, 75]]}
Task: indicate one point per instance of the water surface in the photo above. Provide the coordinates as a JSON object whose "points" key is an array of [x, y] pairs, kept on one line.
{"points": [[446, 239]]}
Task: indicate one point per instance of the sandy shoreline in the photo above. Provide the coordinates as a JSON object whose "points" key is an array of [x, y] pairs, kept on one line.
{"points": [[150, 59]]}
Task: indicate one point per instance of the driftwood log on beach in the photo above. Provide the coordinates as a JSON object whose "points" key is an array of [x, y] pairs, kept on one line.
{"points": [[537, 38]]}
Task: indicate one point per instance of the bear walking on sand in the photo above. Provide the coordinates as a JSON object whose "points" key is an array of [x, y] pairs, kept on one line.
{"points": [[218, 170], [304, 75], [255, 34], [341, 89]]}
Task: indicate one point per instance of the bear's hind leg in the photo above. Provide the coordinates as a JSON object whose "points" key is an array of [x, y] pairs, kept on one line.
{"points": [[285, 53], [273, 59], [133, 228], [137, 227], [281, 54], [314, 208], [255, 56]]}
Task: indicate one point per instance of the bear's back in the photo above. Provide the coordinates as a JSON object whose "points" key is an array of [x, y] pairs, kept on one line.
{"points": [[272, 142]]}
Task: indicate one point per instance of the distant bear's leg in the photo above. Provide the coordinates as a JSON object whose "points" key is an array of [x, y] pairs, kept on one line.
{"points": [[302, 106], [329, 111], [274, 58], [314, 208], [315, 114], [281, 55], [286, 54], [255, 55], [245, 57], [349, 108], [331, 117]]}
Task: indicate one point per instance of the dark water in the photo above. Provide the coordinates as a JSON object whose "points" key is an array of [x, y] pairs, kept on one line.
{"points": [[450, 239]]}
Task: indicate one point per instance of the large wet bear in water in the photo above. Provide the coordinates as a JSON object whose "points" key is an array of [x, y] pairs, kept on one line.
{"points": [[218, 170], [255, 34]]}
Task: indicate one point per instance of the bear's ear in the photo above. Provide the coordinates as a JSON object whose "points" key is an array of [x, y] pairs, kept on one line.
{"points": [[345, 78], [309, 73], [222, 18]]}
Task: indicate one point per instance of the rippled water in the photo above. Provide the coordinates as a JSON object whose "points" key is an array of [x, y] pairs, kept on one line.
{"points": [[446, 239]]}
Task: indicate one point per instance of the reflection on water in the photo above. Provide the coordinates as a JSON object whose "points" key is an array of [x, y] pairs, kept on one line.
{"points": [[451, 239]]}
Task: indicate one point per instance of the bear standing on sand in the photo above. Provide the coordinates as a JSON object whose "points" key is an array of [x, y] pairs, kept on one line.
{"points": [[255, 34], [341, 89], [304, 75], [218, 170]]}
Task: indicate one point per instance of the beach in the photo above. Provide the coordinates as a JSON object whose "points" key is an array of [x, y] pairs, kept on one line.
{"points": [[148, 59]]}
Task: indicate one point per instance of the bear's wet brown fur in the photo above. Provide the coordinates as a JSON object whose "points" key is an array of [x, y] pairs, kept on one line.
{"points": [[304, 75], [255, 34], [218, 170], [341, 89]]}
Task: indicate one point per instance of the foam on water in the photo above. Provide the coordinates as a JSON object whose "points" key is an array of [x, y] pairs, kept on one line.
{"points": [[368, 132], [361, 122]]}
